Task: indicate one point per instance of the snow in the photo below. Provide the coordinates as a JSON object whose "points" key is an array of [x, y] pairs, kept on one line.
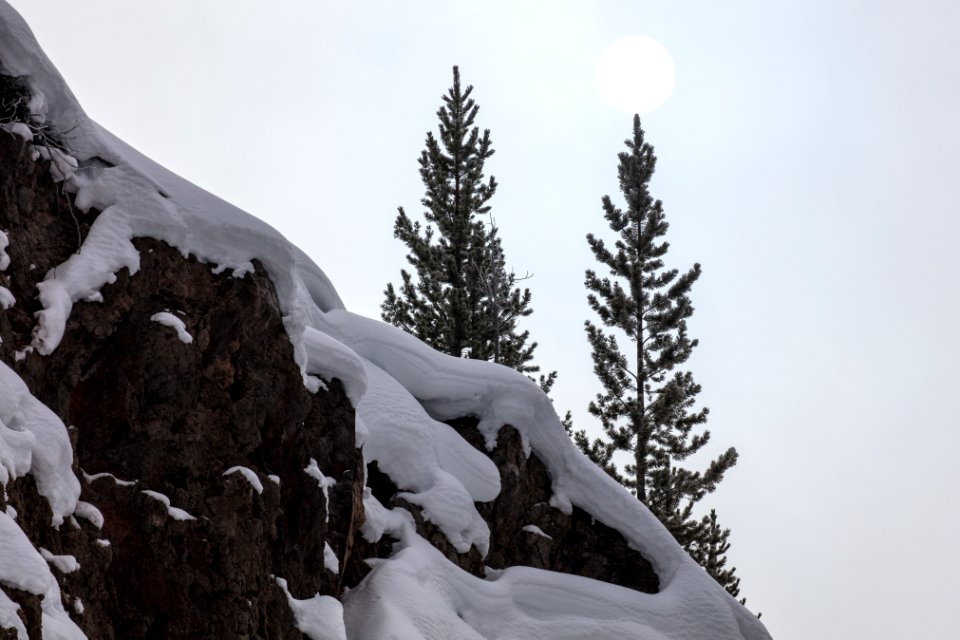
{"points": [[534, 529], [64, 564], [62, 165], [435, 467], [324, 483], [9, 618], [237, 272], [4, 243], [33, 440], [319, 617], [174, 512], [379, 520], [402, 391], [167, 319], [6, 298], [89, 513], [330, 359], [418, 594], [449, 387], [249, 474], [106, 250], [330, 560], [24, 568], [103, 474]]}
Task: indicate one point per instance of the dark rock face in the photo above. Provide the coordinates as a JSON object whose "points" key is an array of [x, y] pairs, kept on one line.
{"points": [[145, 407]]}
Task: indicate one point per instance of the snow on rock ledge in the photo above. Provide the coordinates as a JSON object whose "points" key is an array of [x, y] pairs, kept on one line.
{"points": [[33, 440], [319, 617], [427, 459], [690, 604], [167, 319], [23, 568], [174, 512], [139, 198]]}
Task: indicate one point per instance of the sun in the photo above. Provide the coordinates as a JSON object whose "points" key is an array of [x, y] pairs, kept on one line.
{"points": [[636, 74]]}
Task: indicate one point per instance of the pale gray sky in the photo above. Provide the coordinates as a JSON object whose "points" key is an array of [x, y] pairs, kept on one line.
{"points": [[808, 159]]}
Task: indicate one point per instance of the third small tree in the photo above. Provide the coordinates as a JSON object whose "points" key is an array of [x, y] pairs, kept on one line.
{"points": [[648, 404]]}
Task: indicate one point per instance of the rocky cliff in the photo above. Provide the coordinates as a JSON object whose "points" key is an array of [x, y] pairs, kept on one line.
{"points": [[148, 412], [197, 441]]}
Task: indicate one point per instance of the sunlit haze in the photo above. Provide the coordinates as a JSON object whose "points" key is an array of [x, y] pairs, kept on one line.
{"points": [[636, 74]]}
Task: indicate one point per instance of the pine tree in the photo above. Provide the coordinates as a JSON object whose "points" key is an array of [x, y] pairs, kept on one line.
{"points": [[647, 408], [462, 300]]}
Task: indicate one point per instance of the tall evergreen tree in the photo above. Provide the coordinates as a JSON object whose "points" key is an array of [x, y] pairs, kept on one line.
{"points": [[647, 408], [462, 300]]}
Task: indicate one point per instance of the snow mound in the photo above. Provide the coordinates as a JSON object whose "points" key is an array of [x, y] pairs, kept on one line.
{"points": [[319, 617], [167, 319], [25, 569], [435, 467], [402, 390], [173, 512], [33, 440], [249, 474]]}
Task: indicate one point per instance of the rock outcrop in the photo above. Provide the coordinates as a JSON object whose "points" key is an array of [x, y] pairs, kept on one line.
{"points": [[168, 543]]}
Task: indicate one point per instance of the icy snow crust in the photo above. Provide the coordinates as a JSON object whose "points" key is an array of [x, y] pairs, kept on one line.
{"points": [[401, 389]]}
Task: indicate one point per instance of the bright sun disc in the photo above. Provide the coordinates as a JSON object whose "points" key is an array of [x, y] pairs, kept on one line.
{"points": [[636, 74]]}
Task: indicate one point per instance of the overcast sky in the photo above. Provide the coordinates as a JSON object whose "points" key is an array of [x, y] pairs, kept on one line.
{"points": [[808, 158]]}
